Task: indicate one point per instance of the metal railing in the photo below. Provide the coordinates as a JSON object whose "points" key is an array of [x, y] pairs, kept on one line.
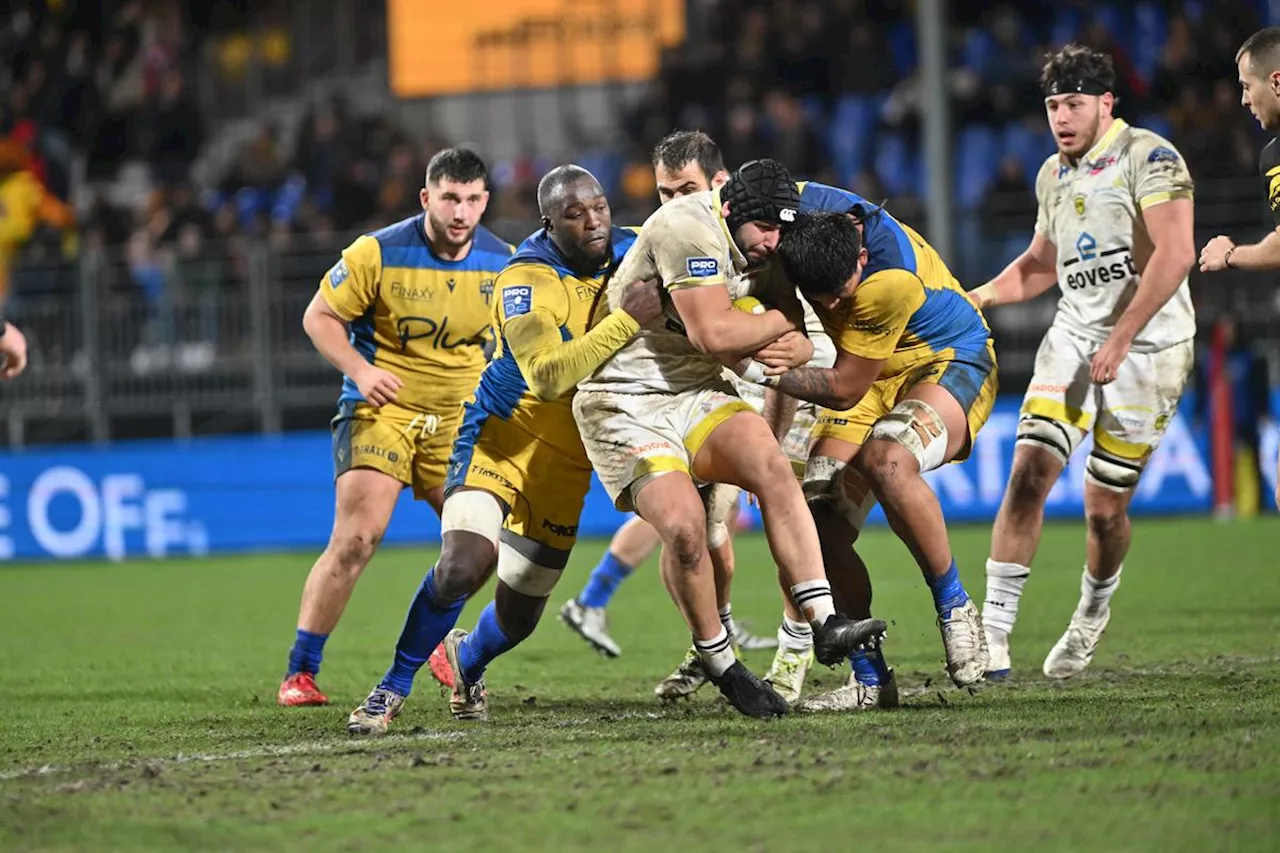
{"points": [[128, 343]]}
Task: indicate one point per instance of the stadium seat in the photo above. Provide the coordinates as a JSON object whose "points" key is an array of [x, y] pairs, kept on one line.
{"points": [[902, 43], [895, 165], [977, 158], [1150, 29], [1030, 146], [850, 136]]}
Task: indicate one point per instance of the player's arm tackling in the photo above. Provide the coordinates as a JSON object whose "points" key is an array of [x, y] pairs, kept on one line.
{"points": [[552, 366]]}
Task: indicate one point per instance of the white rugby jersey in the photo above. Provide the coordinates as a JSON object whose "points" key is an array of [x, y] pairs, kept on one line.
{"points": [[685, 243], [1093, 214]]}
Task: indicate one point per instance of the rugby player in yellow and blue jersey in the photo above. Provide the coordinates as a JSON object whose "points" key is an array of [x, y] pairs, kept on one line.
{"points": [[914, 381], [518, 474], [405, 315]]}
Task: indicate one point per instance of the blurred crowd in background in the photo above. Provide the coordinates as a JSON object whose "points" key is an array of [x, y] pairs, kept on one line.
{"points": [[103, 101]]}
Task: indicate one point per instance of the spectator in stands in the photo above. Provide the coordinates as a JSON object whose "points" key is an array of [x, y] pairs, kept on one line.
{"points": [[175, 127], [13, 350]]}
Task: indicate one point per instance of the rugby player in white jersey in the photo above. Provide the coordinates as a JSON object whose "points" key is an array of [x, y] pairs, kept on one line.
{"points": [[1114, 231], [659, 417]]}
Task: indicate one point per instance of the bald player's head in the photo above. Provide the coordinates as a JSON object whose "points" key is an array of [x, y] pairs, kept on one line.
{"points": [[576, 215]]}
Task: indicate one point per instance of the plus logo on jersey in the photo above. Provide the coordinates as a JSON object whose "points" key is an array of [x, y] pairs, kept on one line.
{"points": [[1086, 246]]}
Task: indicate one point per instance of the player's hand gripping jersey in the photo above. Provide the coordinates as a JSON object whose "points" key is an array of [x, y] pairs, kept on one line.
{"points": [[426, 320], [1092, 212], [909, 311], [522, 446]]}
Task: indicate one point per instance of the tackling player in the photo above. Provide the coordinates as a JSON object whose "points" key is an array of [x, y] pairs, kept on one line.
{"points": [[1114, 230], [405, 315], [658, 417], [518, 474], [913, 383], [684, 162], [1258, 63]]}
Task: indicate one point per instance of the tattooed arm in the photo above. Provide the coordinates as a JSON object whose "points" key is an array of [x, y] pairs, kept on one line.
{"points": [[838, 388]]}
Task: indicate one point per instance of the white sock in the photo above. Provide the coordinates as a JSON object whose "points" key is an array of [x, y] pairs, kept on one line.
{"points": [[794, 636], [726, 619], [1004, 589], [1095, 595], [813, 599], [716, 653]]}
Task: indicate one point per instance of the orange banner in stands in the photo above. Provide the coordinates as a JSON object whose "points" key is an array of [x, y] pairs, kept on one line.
{"points": [[439, 48]]}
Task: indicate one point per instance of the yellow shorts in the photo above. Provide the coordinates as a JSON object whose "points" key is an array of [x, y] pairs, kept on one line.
{"points": [[410, 445], [541, 487], [973, 382]]}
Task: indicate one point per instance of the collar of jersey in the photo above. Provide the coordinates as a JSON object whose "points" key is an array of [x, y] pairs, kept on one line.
{"points": [[1102, 144], [739, 259]]}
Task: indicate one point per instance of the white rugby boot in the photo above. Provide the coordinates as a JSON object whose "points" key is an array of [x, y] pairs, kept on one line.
{"points": [[999, 665], [966, 644], [592, 625], [855, 696], [787, 673], [1074, 650]]}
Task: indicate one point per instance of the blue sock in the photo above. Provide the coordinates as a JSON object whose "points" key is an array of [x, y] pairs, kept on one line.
{"points": [[604, 582], [482, 645], [307, 652], [425, 625], [869, 667], [947, 590]]}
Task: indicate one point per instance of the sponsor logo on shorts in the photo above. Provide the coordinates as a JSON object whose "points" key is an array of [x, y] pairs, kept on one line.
{"points": [[701, 267], [492, 475], [1046, 388], [375, 450], [650, 447], [828, 419], [560, 529], [338, 274], [517, 299]]}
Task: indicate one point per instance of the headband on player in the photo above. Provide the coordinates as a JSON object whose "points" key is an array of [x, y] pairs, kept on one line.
{"points": [[763, 191], [1075, 85]]}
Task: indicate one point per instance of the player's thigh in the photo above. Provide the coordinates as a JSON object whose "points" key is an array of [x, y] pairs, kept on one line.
{"points": [[364, 502], [1136, 408], [371, 459], [727, 440], [630, 439], [1134, 413], [365, 436], [946, 402], [1061, 389], [434, 436], [672, 504]]}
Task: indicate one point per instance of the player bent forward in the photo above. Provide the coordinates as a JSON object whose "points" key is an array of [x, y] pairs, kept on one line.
{"points": [[914, 381]]}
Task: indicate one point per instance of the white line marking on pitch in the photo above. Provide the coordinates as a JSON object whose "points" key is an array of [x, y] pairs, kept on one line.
{"points": [[280, 751]]}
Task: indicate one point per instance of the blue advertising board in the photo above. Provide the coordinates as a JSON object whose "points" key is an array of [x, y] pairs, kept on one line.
{"points": [[260, 493]]}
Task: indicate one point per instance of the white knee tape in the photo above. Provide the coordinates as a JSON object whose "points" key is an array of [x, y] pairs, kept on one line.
{"points": [[919, 428], [1112, 473], [1049, 435], [719, 499], [473, 511], [523, 575], [828, 479]]}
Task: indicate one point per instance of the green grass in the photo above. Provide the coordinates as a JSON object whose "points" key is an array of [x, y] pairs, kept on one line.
{"points": [[146, 691]]}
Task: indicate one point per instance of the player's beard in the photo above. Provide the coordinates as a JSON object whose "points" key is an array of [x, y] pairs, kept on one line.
{"points": [[1087, 137], [440, 231]]}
